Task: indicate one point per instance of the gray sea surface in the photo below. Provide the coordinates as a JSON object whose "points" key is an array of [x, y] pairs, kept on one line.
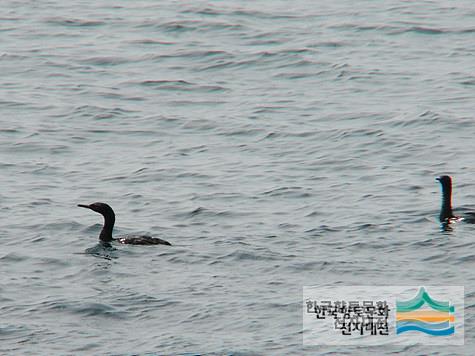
{"points": [[275, 144]]}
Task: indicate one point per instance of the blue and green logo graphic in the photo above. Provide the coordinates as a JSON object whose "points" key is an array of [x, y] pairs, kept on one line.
{"points": [[424, 314]]}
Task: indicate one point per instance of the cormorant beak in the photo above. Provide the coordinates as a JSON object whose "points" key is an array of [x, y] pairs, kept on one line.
{"points": [[84, 206], [438, 178]]}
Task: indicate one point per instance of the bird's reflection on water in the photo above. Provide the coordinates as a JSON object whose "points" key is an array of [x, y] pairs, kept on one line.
{"points": [[102, 250]]}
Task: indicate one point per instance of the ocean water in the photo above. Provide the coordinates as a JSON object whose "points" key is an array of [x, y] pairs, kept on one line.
{"points": [[274, 144]]}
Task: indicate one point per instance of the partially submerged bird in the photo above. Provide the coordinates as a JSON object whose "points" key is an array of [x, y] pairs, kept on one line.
{"points": [[446, 215], [109, 220]]}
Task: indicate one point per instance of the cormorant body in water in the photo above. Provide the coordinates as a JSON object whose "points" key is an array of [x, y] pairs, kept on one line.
{"points": [[109, 220], [446, 213]]}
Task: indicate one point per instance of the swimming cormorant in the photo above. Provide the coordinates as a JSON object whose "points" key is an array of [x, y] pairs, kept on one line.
{"points": [[109, 220], [446, 213]]}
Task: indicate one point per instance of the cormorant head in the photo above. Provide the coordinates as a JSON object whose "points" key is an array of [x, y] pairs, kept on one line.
{"points": [[446, 181], [109, 219], [101, 208]]}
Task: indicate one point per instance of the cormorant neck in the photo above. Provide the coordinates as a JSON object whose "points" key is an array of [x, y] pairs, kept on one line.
{"points": [[446, 209], [106, 232]]}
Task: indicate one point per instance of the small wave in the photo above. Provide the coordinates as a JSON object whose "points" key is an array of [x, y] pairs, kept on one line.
{"points": [[465, 259], [105, 60], [147, 41], [14, 333], [322, 230], [291, 192], [207, 213], [11, 56], [200, 125], [13, 257], [9, 130], [70, 22], [98, 309], [307, 266], [247, 132], [228, 64], [265, 15], [331, 44], [299, 134], [420, 30], [360, 28], [180, 85], [181, 26], [159, 83], [102, 251], [470, 82], [242, 255]]}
